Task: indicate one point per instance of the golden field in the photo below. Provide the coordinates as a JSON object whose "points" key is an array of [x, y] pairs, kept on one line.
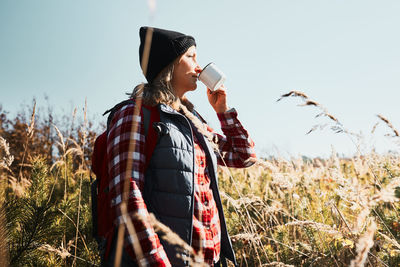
{"points": [[280, 212]]}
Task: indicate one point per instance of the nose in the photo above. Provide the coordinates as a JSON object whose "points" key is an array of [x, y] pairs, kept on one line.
{"points": [[198, 69]]}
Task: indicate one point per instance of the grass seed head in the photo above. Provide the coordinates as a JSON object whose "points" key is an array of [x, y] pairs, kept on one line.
{"points": [[389, 124], [293, 93], [364, 244], [6, 159]]}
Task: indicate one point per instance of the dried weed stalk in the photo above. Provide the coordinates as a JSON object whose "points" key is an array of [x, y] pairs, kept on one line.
{"points": [[245, 236], [389, 124], [338, 127], [317, 226], [294, 93], [131, 147], [19, 187], [277, 264], [195, 259], [30, 130], [6, 159], [364, 244], [63, 253]]}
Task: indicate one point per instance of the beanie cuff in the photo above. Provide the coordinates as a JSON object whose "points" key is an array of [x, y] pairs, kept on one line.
{"points": [[181, 45]]}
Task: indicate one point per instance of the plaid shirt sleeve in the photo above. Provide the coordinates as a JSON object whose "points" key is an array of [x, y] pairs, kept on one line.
{"points": [[118, 139], [236, 147]]}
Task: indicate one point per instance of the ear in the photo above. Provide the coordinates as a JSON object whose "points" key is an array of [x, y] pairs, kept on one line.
{"points": [[178, 59]]}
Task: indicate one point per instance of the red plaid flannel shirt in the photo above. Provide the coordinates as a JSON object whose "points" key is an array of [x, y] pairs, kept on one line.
{"points": [[235, 146]]}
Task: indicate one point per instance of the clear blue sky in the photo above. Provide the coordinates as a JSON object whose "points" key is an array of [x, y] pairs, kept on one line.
{"points": [[343, 54]]}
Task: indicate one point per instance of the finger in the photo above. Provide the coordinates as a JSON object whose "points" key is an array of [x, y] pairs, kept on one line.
{"points": [[222, 88], [210, 92], [220, 92]]}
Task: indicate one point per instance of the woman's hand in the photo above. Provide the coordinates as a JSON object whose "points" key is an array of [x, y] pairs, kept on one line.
{"points": [[217, 99]]}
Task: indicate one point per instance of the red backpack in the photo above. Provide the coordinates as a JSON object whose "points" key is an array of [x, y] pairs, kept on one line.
{"points": [[102, 215]]}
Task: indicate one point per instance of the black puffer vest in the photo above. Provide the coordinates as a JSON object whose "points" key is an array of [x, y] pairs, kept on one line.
{"points": [[169, 182]]}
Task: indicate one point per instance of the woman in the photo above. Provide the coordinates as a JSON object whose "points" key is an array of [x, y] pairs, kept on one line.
{"points": [[180, 183]]}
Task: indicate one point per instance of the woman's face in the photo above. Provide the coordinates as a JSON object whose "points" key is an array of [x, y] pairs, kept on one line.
{"points": [[185, 73]]}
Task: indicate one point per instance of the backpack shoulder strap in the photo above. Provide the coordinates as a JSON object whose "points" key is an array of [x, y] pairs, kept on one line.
{"points": [[146, 118], [150, 116]]}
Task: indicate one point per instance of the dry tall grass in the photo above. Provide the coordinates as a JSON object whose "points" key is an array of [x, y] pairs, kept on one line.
{"points": [[280, 212]]}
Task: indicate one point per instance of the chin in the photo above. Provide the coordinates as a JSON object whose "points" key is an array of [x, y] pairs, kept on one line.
{"points": [[192, 87]]}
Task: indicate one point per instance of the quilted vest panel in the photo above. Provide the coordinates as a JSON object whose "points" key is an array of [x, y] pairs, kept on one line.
{"points": [[169, 182]]}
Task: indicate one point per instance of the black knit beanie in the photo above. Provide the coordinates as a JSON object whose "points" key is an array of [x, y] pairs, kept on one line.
{"points": [[166, 46]]}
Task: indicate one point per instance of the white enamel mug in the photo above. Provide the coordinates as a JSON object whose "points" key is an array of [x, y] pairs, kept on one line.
{"points": [[212, 77]]}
